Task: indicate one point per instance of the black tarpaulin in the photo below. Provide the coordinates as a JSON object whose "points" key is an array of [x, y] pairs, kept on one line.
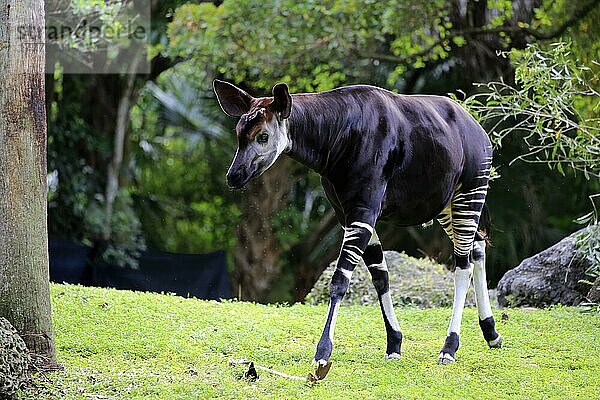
{"points": [[69, 262], [203, 276], [190, 275]]}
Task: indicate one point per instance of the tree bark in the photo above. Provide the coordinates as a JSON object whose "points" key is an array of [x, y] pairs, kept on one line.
{"points": [[119, 141], [24, 273], [309, 270], [257, 254]]}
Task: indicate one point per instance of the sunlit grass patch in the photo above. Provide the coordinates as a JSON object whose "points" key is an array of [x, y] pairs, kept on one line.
{"points": [[125, 345]]}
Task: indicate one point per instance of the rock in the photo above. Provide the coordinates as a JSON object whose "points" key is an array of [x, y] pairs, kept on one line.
{"points": [[594, 293], [550, 277], [415, 282], [14, 360]]}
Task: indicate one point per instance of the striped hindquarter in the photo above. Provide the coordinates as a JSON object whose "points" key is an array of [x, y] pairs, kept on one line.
{"points": [[460, 221]]}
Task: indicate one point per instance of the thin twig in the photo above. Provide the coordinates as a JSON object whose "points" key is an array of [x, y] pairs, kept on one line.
{"points": [[50, 381], [243, 361]]}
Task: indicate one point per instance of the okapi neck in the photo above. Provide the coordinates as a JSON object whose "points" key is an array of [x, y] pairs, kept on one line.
{"points": [[311, 133]]}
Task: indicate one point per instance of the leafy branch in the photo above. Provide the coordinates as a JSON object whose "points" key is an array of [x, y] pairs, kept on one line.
{"points": [[448, 37], [552, 107], [542, 109]]}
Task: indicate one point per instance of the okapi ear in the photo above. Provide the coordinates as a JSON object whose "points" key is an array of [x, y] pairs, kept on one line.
{"points": [[233, 100], [282, 101]]}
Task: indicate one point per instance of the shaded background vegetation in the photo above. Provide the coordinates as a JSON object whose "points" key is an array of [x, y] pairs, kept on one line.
{"points": [[280, 232]]}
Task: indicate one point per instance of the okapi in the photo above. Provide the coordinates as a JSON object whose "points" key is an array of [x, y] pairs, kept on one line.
{"points": [[380, 155]]}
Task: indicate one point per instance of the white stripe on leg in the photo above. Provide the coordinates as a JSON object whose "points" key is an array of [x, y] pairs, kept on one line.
{"points": [[462, 278], [333, 309], [482, 297], [346, 272], [388, 309]]}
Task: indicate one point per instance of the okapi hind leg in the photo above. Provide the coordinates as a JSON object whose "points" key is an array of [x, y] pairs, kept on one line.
{"points": [[377, 266], [466, 209], [462, 279], [482, 297]]}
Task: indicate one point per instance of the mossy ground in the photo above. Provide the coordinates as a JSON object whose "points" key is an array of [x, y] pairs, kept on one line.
{"points": [[125, 345], [420, 282]]}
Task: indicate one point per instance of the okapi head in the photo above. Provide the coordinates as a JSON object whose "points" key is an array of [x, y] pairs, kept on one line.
{"points": [[262, 130]]}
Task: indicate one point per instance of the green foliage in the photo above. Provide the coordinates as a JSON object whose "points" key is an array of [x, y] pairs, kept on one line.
{"points": [[79, 140], [317, 45], [589, 242], [127, 345], [257, 42], [75, 180], [311, 45], [127, 241], [75, 197], [543, 109], [112, 18], [553, 108], [181, 163]]}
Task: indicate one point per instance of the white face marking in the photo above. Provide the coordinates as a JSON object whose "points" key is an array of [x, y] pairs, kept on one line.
{"points": [[278, 141]]}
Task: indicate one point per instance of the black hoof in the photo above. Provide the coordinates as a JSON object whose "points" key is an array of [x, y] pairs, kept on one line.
{"points": [[449, 349], [393, 356], [445, 359], [496, 343], [323, 367]]}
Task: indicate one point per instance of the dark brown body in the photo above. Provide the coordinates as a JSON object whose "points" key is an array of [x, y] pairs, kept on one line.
{"points": [[400, 155], [380, 155]]}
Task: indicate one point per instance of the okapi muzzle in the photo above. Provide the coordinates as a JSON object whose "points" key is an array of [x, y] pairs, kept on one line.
{"points": [[408, 159], [242, 169], [262, 130]]}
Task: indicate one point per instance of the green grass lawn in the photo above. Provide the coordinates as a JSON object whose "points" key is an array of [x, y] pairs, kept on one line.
{"points": [[125, 345]]}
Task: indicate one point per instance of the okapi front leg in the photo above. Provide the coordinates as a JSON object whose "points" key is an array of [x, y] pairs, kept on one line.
{"points": [[375, 261], [356, 236]]}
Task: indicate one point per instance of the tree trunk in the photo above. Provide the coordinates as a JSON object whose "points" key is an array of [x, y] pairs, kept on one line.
{"points": [[119, 140], [310, 269], [257, 253], [24, 274]]}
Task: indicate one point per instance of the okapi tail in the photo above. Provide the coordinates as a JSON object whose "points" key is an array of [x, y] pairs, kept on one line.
{"points": [[484, 232]]}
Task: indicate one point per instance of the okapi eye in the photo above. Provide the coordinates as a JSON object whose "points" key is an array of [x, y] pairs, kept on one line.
{"points": [[262, 138]]}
